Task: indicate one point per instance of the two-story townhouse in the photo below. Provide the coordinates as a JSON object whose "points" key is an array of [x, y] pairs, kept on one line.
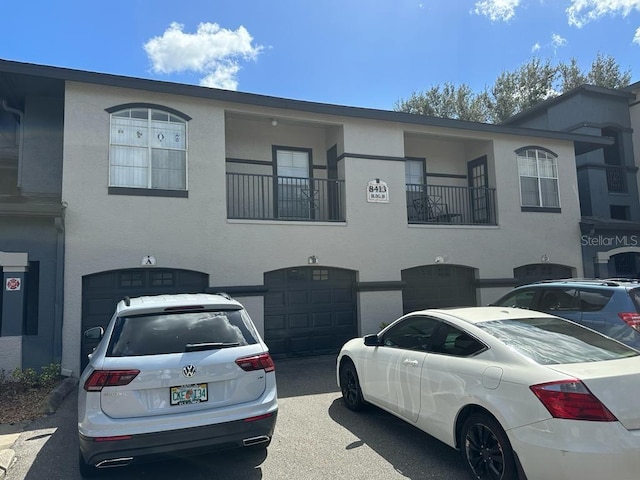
{"points": [[324, 220], [31, 219], [607, 177]]}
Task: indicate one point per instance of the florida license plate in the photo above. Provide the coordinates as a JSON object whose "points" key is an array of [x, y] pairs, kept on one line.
{"points": [[188, 394]]}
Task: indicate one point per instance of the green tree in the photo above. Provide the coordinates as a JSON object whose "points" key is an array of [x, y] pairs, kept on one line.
{"points": [[514, 92]]}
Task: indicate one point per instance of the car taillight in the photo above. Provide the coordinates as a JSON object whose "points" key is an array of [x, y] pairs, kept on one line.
{"points": [[572, 400], [109, 378], [631, 318], [256, 362]]}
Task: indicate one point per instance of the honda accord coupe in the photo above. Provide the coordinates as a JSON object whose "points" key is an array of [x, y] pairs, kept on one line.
{"points": [[521, 394]]}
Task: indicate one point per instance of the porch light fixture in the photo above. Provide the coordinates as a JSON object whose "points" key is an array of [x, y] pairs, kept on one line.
{"points": [[274, 122], [313, 260], [544, 258]]}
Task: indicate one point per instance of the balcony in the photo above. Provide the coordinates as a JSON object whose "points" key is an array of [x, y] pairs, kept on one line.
{"points": [[616, 179], [450, 205], [268, 197]]}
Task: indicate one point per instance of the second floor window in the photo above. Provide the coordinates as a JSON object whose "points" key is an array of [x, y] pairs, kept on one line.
{"points": [[538, 171], [148, 150]]}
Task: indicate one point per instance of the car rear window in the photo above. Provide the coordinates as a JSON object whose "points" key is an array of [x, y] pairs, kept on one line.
{"points": [[552, 341], [593, 300], [635, 297], [163, 333]]}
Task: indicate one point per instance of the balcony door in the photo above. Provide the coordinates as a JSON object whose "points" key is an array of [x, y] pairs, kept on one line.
{"points": [[295, 197], [479, 191]]}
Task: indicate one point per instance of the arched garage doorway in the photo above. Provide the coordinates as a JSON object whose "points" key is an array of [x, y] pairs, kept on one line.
{"points": [[309, 310], [102, 291], [435, 286], [536, 272]]}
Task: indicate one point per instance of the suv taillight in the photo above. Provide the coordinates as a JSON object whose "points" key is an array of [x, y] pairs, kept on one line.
{"points": [[631, 318], [109, 378], [257, 362], [572, 400]]}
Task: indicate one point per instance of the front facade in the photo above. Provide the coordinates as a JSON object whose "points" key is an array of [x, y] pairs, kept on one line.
{"points": [[607, 178], [324, 221]]}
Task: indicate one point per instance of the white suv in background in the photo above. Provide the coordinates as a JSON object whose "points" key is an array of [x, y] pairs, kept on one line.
{"points": [[174, 375]]}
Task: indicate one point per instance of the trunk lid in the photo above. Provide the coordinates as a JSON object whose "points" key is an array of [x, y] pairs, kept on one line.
{"points": [[616, 383], [182, 382]]}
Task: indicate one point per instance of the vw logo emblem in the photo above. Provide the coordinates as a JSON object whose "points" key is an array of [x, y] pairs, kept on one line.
{"points": [[189, 371]]}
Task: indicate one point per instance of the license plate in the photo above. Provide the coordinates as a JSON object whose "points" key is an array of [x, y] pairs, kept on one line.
{"points": [[188, 394]]}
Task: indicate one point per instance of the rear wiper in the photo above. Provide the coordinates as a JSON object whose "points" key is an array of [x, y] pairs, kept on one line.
{"points": [[198, 347]]}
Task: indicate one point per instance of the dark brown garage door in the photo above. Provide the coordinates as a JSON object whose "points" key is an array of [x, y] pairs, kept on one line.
{"points": [[309, 310], [102, 291], [435, 286]]}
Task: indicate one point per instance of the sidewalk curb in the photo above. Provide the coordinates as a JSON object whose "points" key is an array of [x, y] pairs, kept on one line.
{"points": [[54, 400], [7, 458]]}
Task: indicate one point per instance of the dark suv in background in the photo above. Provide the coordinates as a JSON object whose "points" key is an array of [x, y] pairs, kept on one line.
{"points": [[610, 306]]}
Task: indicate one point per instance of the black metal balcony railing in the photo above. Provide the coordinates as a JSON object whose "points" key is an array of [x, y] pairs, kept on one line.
{"points": [[616, 179], [267, 197], [451, 205]]}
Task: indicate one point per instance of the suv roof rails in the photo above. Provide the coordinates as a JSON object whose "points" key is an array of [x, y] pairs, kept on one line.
{"points": [[624, 280], [609, 282]]}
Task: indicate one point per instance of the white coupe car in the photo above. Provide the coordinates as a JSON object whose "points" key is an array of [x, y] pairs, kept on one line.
{"points": [[522, 394]]}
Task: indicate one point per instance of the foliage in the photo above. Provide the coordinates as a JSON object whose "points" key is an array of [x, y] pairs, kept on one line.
{"points": [[24, 392], [513, 92], [29, 378]]}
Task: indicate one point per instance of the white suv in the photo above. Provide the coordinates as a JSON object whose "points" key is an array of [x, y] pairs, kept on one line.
{"points": [[173, 375]]}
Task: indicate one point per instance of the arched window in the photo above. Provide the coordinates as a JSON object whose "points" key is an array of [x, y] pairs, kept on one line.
{"points": [[538, 171], [148, 149]]}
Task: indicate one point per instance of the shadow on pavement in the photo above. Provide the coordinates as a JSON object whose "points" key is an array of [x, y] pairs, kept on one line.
{"points": [[412, 452], [306, 376]]}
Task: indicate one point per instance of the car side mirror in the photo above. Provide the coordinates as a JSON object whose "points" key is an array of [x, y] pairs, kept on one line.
{"points": [[94, 333], [371, 340]]}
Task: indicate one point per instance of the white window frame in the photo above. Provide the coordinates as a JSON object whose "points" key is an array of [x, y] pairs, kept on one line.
{"points": [[155, 135], [541, 165]]}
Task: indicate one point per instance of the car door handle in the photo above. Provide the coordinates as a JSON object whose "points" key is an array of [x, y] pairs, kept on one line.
{"points": [[412, 363]]}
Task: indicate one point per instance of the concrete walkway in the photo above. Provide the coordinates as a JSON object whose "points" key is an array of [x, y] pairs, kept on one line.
{"points": [[10, 433]]}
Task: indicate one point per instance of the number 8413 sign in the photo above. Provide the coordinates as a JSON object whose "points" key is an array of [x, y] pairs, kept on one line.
{"points": [[377, 191]]}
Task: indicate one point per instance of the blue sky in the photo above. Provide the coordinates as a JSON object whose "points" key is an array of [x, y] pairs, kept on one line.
{"points": [[349, 52]]}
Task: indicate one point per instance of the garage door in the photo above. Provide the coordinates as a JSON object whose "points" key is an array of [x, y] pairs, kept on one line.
{"points": [[309, 310], [435, 286], [102, 291]]}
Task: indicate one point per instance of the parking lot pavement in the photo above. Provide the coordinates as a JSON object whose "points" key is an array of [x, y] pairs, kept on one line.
{"points": [[316, 437]]}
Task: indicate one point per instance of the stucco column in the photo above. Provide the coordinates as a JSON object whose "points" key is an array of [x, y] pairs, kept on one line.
{"points": [[14, 267], [602, 265]]}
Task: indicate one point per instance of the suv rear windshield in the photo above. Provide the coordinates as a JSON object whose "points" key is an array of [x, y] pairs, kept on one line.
{"points": [[174, 332], [635, 297], [551, 341]]}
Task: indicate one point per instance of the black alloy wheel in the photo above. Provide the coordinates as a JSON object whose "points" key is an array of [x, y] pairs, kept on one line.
{"points": [[486, 449], [350, 386]]}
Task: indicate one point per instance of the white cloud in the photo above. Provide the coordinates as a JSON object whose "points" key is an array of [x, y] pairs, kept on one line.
{"points": [[581, 12], [211, 50], [636, 37], [536, 47], [503, 10], [558, 41]]}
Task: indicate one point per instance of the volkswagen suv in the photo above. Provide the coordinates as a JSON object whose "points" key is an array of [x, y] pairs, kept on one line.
{"points": [[610, 306], [174, 375]]}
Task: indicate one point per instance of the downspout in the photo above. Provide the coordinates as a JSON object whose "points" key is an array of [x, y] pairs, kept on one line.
{"points": [[15, 111], [58, 341]]}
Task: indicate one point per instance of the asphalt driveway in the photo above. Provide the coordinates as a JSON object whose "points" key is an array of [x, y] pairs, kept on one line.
{"points": [[316, 438]]}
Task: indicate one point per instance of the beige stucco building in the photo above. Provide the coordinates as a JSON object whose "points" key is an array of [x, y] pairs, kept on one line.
{"points": [[325, 221]]}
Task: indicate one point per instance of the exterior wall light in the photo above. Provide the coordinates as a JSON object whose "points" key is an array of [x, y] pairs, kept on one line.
{"points": [[313, 260]]}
